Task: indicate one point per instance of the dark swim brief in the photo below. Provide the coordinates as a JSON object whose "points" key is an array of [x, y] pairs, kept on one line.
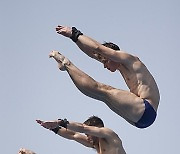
{"points": [[148, 116]]}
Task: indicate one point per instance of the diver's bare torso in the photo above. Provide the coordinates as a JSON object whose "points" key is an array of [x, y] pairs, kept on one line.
{"points": [[113, 146], [140, 81]]}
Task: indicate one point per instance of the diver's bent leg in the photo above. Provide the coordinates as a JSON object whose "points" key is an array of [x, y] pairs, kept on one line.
{"points": [[86, 84], [124, 103]]}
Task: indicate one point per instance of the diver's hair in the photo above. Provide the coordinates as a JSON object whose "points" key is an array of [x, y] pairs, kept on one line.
{"points": [[111, 45], [94, 121]]}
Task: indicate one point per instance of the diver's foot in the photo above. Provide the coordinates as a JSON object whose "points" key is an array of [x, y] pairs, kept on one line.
{"points": [[62, 61], [25, 151]]}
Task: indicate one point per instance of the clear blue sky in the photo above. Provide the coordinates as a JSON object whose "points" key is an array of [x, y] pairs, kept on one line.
{"points": [[31, 86]]}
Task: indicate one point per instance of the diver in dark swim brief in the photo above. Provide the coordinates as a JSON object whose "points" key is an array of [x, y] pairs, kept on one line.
{"points": [[128, 104], [148, 116]]}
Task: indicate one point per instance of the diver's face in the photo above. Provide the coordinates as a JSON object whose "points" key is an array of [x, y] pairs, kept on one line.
{"points": [[110, 65], [92, 139]]}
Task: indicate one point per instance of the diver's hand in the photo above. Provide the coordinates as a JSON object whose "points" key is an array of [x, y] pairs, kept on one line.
{"points": [[64, 30]]}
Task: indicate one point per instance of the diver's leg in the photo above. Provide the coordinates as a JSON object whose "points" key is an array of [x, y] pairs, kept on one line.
{"points": [[86, 84], [124, 103]]}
